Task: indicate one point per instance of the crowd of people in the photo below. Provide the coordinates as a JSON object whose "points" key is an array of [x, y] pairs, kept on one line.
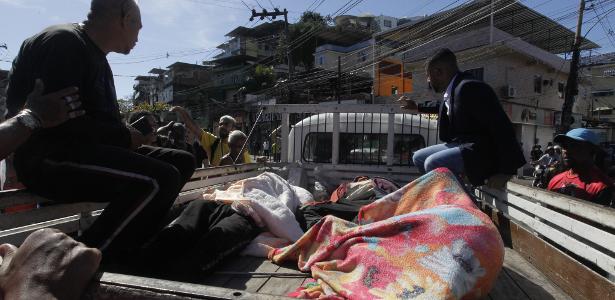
{"points": [[64, 126]]}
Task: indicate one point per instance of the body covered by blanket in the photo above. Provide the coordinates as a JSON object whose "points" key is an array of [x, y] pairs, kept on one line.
{"points": [[425, 241], [269, 200]]}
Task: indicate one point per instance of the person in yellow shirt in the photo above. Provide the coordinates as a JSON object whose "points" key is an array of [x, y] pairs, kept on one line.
{"points": [[215, 146]]}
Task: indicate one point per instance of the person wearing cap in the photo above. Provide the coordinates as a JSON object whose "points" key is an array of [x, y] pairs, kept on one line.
{"points": [[582, 179]]}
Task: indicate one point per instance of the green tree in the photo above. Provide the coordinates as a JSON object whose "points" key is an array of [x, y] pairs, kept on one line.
{"points": [[303, 40], [156, 108], [125, 106], [262, 77]]}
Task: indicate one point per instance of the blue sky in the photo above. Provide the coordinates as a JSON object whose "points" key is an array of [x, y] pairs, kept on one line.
{"points": [[189, 29]]}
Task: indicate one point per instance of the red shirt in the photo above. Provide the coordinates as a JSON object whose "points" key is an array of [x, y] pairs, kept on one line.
{"points": [[570, 184]]}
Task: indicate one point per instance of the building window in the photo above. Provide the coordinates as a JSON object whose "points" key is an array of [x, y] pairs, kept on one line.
{"points": [[388, 23], [477, 73], [394, 90], [538, 84], [609, 73]]}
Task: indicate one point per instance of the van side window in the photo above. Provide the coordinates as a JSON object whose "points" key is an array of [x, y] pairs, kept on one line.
{"points": [[361, 148], [317, 147]]}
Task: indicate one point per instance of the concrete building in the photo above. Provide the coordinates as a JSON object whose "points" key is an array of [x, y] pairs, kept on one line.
{"points": [[369, 22], [169, 85], [146, 89], [245, 47], [598, 74], [326, 56]]}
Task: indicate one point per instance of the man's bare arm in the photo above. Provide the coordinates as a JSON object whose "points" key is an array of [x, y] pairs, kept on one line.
{"points": [[190, 124]]}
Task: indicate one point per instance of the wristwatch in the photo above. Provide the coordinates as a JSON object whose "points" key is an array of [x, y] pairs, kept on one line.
{"points": [[29, 119]]}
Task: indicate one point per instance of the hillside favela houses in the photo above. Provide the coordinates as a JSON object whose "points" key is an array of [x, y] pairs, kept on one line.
{"points": [[522, 54]]}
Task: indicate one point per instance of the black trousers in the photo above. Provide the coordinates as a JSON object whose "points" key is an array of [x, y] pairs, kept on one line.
{"points": [[140, 187], [199, 236]]}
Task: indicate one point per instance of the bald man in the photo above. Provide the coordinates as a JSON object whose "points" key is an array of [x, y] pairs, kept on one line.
{"points": [[95, 157]]}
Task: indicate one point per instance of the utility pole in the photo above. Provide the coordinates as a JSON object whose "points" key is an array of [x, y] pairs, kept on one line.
{"points": [[572, 88], [275, 13], [339, 80], [491, 25]]}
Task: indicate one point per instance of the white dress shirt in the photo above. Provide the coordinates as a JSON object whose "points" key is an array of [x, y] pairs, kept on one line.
{"points": [[447, 95]]}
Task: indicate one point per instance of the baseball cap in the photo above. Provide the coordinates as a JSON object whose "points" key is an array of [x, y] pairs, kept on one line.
{"points": [[579, 134]]}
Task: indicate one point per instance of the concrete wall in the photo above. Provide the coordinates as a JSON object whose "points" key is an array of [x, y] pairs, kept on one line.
{"points": [[600, 78]]}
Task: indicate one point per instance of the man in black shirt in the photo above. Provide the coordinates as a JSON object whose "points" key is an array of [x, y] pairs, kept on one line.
{"points": [[96, 157]]}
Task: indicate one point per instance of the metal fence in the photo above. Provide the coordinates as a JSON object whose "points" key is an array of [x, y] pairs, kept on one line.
{"points": [[349, 134]]}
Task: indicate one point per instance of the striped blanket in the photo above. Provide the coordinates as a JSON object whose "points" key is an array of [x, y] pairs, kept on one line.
{"points": [[425, 241]]}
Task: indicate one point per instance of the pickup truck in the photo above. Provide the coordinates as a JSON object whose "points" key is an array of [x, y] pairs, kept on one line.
{"points": [[557, 247]]}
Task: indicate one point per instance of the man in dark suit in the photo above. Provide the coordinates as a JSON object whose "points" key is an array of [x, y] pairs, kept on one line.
{"points": [[479, 139]]}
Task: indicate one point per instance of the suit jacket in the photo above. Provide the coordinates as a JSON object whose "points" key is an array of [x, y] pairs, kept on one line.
{"points": [[478, 122]]}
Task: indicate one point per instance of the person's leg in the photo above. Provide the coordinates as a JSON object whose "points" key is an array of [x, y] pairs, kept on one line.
{"points": [[139, 189], [420, 157], [183, 161], [205, 233], [450, 158]]}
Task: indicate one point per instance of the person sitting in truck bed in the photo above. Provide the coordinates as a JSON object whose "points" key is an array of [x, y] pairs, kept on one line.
{"points": [[48, 264], [479, 139], [582, 179], [95, 157], [215, 146], [236, 141]]}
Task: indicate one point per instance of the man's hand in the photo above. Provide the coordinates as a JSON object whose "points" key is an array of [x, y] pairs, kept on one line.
{"points": [[48, 265], [55, 108], [408, 104], [166, 128]]}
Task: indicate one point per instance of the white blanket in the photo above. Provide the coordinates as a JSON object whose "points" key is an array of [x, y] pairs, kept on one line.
{"points": [[270, 201]]}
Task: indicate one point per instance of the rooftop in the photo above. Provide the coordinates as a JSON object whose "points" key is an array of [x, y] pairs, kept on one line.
{"points": [[341, 49], [261, 30], [602, 59], [480, 38], [186, 65], [510, 16]]}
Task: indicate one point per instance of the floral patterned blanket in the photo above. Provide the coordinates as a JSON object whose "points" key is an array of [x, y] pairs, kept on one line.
{"points": [[426, 241]]}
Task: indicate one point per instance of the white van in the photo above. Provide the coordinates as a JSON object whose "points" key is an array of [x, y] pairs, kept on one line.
{"points": [[363, 138]]}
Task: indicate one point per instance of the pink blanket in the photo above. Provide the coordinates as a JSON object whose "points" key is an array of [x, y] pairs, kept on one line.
{"points": [[425, 241]]}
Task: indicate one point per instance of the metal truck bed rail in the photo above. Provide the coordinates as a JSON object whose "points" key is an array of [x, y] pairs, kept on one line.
{"points": [[570, 241]]}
